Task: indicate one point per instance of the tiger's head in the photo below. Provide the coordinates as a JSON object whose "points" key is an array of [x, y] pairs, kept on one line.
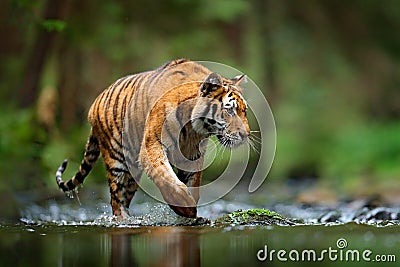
{"points": [[221, 110]]}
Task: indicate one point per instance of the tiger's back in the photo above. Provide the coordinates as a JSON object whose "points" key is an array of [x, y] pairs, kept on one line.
{"points": [[138, 93]]}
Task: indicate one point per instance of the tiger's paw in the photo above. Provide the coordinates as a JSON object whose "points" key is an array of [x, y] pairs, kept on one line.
{"points": [[180, 200], [189, 212]]}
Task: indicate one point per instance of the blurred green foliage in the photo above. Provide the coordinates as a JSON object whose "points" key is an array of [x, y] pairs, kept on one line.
{"points": [[329, 69], [18, 152], [54, 25]]}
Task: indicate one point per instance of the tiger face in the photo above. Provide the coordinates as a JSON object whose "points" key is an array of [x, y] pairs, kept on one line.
{"points": [[221, 110]]}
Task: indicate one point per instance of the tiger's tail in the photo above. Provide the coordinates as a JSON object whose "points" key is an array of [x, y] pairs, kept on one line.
{"points": [[91, 155]]}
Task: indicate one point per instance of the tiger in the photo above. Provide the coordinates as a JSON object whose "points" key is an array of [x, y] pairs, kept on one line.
{"points": [[158, 122]]}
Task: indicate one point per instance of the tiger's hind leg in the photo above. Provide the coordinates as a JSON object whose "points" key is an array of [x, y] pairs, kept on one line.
{"points": [[122, 189]]}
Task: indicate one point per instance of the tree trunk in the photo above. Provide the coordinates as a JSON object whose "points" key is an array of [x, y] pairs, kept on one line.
{"points": [[264, 12], [43, 44]]}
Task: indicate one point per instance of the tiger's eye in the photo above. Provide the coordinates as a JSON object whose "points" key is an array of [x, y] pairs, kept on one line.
{"points": [[230, 111]]}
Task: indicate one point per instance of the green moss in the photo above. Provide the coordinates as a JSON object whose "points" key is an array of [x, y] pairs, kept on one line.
{"points": [[254, 216]]}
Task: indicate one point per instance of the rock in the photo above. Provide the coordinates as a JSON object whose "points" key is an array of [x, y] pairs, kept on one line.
{"points": [[381, 214], [254, 217]]}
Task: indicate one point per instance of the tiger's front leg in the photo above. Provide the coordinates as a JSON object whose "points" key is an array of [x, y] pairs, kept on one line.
{"points": [[156, 165]]}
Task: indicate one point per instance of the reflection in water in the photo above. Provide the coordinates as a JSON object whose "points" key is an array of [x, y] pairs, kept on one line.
{"points": [[163, 246], [50, 245], [121, 251]]}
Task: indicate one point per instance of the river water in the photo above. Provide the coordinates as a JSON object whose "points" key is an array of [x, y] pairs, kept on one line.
{"points": [[63, 232]]}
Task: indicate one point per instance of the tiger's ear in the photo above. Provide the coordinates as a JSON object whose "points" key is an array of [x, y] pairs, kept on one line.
{"points": [[237, 80], [211, 83]]}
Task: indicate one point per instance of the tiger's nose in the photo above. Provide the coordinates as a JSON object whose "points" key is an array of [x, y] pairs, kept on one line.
{"points": [[243, 135]]}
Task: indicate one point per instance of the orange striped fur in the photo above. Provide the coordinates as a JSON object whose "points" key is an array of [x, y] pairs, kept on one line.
{"points": [[156, 121]]}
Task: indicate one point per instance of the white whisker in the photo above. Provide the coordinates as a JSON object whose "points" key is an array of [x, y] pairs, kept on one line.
{"points": [[253, 146], [213, 149], [255, 140], [253, 134]]}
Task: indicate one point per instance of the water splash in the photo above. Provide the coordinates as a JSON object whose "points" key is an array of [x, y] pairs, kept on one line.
{"points": [[150, 213], [145, 214]]}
